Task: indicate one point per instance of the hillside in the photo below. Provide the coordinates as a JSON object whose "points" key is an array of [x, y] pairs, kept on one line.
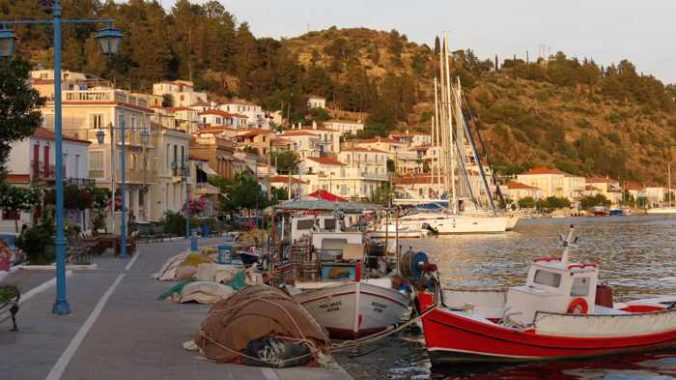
{"points": [[529, 114], [576, 115]]}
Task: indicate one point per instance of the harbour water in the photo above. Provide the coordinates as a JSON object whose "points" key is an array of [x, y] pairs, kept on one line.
{"points": [[636, 256]]}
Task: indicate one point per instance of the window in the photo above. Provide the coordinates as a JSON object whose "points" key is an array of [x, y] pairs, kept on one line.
{"points": [[329, 224], [96, 164], [580, 287], [305, 224], [76, 171], [95, 121], [544, 277]]}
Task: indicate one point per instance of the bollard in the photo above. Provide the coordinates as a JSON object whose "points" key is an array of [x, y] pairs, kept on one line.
{"points": [[193, 243]]}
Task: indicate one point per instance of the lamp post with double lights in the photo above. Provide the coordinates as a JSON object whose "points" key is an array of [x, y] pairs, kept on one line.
{"points": [[100, 137], [109, 41]]}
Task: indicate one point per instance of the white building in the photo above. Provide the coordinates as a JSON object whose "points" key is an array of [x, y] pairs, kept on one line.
{"points": [[316, 102], [219, 118], [255, 117], [553, 182], [517, 190], [344, 126], [182, 93], [31, 161]]}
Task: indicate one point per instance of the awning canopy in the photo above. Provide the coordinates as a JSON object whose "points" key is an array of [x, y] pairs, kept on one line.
{"points": [[327, 196], [208, 170]]}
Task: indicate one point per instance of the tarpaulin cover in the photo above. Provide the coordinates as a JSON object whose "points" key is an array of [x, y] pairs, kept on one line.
{"points": [[256, 312]]}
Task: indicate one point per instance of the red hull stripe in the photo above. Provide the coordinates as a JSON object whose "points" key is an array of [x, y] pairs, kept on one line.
{"points": [[447, 331], [352, 292]]}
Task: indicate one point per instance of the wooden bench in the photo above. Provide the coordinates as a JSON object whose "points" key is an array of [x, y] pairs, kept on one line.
{"points": [[9, 304]]}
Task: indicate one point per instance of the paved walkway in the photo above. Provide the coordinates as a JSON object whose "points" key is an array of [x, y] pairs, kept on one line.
{"points": [[131, 335]]}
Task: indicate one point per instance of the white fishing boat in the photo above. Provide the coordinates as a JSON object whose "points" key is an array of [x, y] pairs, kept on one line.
{"points": [[561, 312], [405, 232], [354, 309], [344, 288]]}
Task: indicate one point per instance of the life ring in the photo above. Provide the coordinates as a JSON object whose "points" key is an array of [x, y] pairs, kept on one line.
{"points": [[578, 306]]}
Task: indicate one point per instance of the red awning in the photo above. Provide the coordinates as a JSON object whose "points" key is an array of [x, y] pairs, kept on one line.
{"points": [[327, 196]]}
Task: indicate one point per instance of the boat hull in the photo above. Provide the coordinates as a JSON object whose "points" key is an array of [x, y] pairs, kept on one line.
{"points": [[470, 225], [454, 337], [354, 309]]}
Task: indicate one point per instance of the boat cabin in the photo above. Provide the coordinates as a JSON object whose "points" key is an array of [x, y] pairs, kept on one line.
{"points": [[554, 286], [307, 224]]}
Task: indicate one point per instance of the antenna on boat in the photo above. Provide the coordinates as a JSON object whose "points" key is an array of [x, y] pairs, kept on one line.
{"points": [[567, 243]]}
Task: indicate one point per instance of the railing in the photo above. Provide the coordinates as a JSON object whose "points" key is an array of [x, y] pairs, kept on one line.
{"points": [[107, 95], [41, 171], [96, 173], [80, 181]]}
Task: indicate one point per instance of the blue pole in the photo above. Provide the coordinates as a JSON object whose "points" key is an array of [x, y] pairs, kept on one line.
{"points": [[187, 201], [123, 191], [61, 306]]}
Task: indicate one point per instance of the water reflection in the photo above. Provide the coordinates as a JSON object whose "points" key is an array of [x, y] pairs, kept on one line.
{"points": [[636, 255]]}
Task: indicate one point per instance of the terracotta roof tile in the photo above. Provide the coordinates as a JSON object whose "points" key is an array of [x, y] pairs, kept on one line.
{"points": [[513, 185], [285, 179], [543, 170], [44, 133], [326, 161]]}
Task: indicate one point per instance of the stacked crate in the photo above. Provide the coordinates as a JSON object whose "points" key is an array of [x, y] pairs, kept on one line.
{"points": [[305, 263]]}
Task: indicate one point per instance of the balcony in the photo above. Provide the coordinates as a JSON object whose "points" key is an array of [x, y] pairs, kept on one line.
{"points": [[40, 171], [104, 96], [82, 182]]}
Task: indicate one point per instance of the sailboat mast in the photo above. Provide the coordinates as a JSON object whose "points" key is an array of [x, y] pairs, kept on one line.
{"points": [[450, 127], [435, 137], [472, 145], [443, 154]]}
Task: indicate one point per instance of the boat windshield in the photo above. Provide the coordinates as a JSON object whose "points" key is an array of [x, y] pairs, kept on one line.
{"points": [[547, 278]]}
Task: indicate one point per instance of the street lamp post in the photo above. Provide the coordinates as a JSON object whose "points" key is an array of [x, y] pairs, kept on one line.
{"points": [[100, 136], [186, 174], [109, 39]]}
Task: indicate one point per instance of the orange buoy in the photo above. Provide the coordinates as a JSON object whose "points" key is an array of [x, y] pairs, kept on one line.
{"points": [[578, 306]]}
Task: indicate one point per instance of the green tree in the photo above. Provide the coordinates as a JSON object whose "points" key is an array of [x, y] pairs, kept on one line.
{"points": [[286, 162], [383, 195], [19, 115], [245, 194], [593, 201], [526, 202], [100, 202]]}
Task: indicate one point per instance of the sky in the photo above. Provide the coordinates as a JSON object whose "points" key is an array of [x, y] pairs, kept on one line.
{"points": [[608, 31]]}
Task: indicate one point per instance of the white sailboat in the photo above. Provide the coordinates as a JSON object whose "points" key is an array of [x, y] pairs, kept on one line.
{"points": [[456, 144]]}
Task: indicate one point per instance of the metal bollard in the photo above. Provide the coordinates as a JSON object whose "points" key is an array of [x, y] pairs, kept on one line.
{"points": [[193, 242]]}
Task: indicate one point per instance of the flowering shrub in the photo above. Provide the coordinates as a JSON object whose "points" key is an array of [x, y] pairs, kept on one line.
{"points": [[196, 206]]}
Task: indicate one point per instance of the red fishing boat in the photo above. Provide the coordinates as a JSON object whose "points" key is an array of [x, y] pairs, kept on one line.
{"points": [[559, 313]]}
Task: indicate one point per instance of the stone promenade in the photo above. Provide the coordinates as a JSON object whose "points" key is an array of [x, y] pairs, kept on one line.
{"points": [[117, 329]]}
